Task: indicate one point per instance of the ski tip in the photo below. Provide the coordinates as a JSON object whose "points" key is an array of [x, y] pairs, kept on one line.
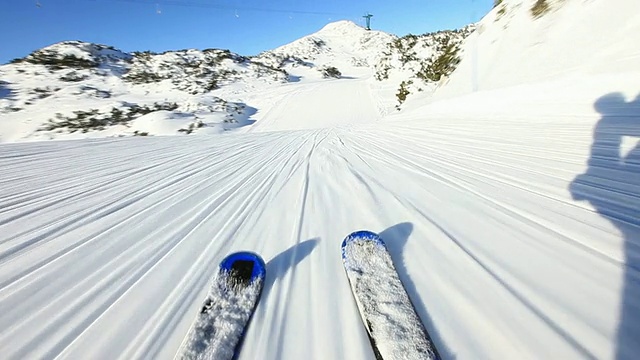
{"points": [[250, 260], [362, 235]]}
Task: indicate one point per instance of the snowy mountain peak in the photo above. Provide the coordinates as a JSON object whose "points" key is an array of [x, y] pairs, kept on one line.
{"points": [[344, 37], [342, 27], [341, 43]]}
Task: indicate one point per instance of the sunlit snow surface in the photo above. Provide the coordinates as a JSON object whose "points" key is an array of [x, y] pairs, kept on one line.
{"points": [[382, 300], [511, 213]]}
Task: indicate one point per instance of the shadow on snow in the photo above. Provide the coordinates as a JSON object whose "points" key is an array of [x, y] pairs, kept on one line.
{"points": [[395, 237], [5, 91], [286, 260], [278, 267], [611, 184]]}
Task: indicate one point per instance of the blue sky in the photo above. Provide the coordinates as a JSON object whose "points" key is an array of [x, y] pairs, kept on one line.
{"points": [[245, 27]]}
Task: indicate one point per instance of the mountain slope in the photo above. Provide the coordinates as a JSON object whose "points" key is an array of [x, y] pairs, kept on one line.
{"points": [[342, 44], [74, 89], [319, 105], [78, 90], [572, 39]]}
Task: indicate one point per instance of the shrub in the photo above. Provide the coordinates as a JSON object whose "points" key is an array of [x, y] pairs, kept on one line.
{"points": [[331, 71], [501, 12], [443, 65], [54, 61], [402, 93], [192, 127], [42, 93], [382, 72], [540, 8], [212, 85], [94, 120], [73, 76], [143, 77], [318, 42]]}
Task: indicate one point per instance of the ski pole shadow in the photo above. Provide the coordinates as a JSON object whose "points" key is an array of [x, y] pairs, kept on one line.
{"points": [[395, 237], [288, 259], [611, 184]]}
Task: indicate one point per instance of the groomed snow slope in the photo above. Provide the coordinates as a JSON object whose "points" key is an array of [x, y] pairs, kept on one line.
{"points": [[107, 246], [331, 103], [514, 228]]}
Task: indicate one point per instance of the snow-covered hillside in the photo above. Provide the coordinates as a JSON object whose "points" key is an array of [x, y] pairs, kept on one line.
{"points": [[79, 90], [571, 39], [340, 44], [511, 209]]}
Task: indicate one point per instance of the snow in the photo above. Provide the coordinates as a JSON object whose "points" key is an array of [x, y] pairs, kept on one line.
{"points": [[338, 41], [576, 39], [382, 300], [33, 95], [511, 213], [336, 102]]}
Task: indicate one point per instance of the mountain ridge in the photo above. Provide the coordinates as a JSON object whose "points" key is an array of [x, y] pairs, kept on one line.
{"points": [[98, 90]]}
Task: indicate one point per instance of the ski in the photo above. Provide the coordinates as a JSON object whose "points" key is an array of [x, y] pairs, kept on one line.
{"points": [[219, 328], [395, 330]]}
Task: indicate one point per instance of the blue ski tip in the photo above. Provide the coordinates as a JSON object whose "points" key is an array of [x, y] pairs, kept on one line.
{"points": [[259, 268], [362, 235]]}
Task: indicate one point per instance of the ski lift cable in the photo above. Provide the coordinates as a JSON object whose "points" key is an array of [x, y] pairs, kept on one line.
{"points": [[194, 4]]}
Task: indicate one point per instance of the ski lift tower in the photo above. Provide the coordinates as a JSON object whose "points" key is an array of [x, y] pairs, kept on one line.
{"points": [[368, 17]]}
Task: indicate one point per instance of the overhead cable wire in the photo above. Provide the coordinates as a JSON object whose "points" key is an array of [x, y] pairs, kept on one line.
{"points": [[195, 4]]}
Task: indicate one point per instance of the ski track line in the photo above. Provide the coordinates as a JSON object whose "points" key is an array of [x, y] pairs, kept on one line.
{"points": [[235, 216], [541, 224], [153, 348], [552, 324], [505, 157], [254, 174], [94, 166], [120, 182], [304, 193], [464, 188], [132, 218], [238, 216], [117, 183], [73, 221], [478, 175], [115, 180]]}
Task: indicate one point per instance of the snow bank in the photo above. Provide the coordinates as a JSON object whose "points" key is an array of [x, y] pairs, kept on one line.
{"points": [[574, 38]]}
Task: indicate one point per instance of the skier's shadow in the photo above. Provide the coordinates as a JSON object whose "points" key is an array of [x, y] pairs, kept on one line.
{"points": [[611, 184], [395, 237], [278, 267], [286, 260]]}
